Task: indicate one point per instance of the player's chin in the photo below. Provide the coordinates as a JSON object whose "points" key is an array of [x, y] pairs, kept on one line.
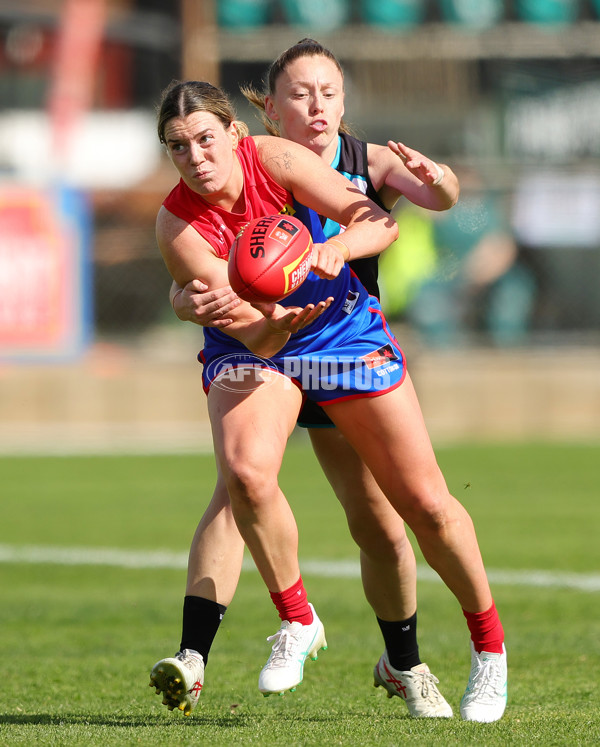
{"points": [[318, 139]]}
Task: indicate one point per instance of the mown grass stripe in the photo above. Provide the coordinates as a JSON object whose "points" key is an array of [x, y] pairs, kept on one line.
{"points": [[325, 568]]}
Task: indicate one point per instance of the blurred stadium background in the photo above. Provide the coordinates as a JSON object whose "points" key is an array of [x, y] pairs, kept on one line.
{"points": [[497, 306]]}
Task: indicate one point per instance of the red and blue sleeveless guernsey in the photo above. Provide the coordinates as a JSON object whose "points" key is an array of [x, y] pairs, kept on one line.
{"points": [[349, 351]]}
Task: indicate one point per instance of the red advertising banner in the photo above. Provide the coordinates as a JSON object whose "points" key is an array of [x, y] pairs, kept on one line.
{"points": [[44, 273]]}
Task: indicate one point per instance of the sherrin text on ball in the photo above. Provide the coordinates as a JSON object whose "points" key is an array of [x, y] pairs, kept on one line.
{"points": [[270, 258]]}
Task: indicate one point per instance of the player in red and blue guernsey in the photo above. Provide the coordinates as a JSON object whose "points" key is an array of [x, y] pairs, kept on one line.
{"points": [[473, 590]]}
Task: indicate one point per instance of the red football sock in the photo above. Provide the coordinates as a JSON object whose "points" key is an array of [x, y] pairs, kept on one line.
{"points": [[292, 605], [486, 630]]}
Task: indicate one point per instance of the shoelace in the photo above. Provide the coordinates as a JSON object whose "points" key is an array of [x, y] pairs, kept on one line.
{"points": [[283, 648], [486, 679], [428, 685]]}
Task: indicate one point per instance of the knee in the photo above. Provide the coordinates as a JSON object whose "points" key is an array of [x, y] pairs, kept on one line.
{"points": [[382, 539], [432, 513], [249, 484], [388, 546]]}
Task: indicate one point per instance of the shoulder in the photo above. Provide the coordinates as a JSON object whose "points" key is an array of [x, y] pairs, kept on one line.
{"points": [[378, 152], [167, 222], [282, 158], [380, 160], [272, 152], [269, 146], [170, 227], [247, 144], [176, 237], [379, 157]]}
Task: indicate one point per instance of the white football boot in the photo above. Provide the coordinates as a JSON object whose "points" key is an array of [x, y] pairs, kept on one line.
{"points": [[485, 697], [416, 687], [180, 679], [293, 642]]}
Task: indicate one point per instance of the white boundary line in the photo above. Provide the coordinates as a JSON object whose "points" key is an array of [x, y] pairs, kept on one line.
{"points": [[39, 554]]}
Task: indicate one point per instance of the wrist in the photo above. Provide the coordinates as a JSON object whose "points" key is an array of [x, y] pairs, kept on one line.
{"points": [[178, 292], [341, 247], [440, 175]]}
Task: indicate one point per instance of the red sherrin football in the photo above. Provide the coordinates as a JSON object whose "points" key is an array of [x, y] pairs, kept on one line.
{"points": [[269, 258]]}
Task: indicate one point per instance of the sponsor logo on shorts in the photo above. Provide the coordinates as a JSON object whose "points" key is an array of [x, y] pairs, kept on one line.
{"points": [[380, 357], [350, 302]]}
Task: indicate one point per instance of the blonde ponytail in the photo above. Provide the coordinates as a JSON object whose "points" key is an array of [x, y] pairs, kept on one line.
{"points": [[257, 99]]}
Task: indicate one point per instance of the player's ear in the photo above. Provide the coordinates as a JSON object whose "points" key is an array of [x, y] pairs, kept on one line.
{"points": [[270, 110], [234, 134]]}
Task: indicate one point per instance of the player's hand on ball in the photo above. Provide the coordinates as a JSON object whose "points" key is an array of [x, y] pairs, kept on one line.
{"points": [[292, 318], [207, 308], [327, 261]]}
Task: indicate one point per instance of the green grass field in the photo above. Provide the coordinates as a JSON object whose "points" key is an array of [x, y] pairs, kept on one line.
{"points": [[78, 637]]}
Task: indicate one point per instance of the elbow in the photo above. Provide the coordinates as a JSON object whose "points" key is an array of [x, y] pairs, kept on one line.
{"points": [[453, 200], [263, 351], [447, 202], [447, 205], [447, 195], [256, 346], [453, 197]]}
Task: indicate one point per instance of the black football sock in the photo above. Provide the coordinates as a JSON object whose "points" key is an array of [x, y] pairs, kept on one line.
{"points": [[201, 620], [401, 642]]}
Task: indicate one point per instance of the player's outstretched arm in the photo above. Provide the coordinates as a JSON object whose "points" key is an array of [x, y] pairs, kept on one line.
{"points": [[397, 170], [369, 229]]}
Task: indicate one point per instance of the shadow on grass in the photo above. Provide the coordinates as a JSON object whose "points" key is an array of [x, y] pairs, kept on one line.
{"points": [[126, 721], [234, 720]]}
